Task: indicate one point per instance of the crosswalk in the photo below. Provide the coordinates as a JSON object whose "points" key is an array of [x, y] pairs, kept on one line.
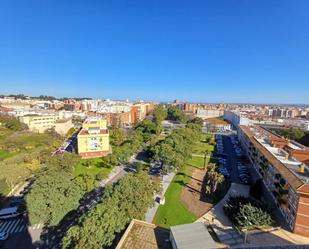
{"points": [[13, 225]]}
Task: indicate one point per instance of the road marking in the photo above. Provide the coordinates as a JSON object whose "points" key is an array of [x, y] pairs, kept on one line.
{"points": [[22, 228], [11, 225], [5, 225], [12, 230]]}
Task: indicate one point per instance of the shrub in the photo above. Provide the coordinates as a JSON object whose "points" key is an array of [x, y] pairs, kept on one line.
{"points": [[246, 213], [99, 177]]}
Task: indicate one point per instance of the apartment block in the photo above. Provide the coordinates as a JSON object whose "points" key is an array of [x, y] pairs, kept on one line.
{"points": [[283, 165], [93, 138], [40, 123]]}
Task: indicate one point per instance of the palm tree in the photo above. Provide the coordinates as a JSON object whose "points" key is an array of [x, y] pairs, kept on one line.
{"points": [[218, 179]]}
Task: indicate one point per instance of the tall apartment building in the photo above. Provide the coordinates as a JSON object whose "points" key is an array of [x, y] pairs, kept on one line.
{"points": [[93, 138], [283, 166], [140, 110], [236, 118]]}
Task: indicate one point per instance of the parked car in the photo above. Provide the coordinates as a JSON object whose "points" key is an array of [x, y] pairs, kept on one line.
{"points": [[3, 235], [16, 202]]}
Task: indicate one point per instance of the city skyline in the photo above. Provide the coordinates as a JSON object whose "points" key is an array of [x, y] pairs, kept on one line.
{"points": [[232, 51]]}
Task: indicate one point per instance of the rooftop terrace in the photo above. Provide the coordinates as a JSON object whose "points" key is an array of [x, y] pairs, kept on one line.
{"points": [[140, 234], [282, 153]]}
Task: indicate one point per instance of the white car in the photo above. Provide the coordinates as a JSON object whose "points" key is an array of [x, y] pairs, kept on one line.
{"points": [[3, 235]]}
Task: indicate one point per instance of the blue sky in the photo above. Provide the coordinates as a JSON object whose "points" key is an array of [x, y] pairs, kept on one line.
{"points": [[209, 51]]}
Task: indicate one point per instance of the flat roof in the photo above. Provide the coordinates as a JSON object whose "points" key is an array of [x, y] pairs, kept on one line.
{"points": [[290, 171], [141, 234], [194, 235]]}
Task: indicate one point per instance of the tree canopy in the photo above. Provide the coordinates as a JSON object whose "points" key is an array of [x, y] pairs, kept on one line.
{"points": [[160, 114], [52, 196], [175, 114], [177, 147], [55, 191], [129, 198], [296, 134], [246, 213]]}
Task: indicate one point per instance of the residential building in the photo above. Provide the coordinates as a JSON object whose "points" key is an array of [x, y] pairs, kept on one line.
{"points": [[93, 138], [236, 118], [283, 166], [201, 113], [215, 125], [71, 106], [140, 110], [40, 123]]}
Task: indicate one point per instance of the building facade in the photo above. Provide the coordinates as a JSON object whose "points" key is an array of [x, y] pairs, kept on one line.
{"points": [[283, 167], [93, 138]]}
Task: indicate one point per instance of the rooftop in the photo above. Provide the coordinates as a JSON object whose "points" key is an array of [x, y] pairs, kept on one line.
{"points": [[194, 235], [86, 132], [140, 234], [280, 156]]}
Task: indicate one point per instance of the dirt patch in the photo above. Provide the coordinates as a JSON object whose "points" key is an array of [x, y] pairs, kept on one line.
{"points": [[193, 194]]}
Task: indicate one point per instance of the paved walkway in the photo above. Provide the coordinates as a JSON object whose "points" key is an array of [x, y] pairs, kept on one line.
{"points": [[220, 222], [167, 179], [113, 176]]}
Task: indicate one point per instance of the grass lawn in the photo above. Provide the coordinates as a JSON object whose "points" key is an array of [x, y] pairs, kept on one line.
{"points": [[200, 148], [95, 168], [5, 154], [174, 212], [197, 162]]}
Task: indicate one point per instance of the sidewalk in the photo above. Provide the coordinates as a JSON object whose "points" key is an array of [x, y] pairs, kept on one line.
{"points": [[167, 179], [220, 222], [118, 171]]}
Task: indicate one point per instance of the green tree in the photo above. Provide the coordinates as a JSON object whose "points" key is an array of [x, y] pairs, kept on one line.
{"points": [[53, 194], [214, 179], [247, 213], [176, 114], [160, 114], [117, 136], [86, 182], [139, 166], [129, 198]]}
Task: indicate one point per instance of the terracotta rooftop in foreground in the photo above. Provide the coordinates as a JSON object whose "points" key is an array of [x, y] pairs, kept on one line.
{"points": [[140, 234]]}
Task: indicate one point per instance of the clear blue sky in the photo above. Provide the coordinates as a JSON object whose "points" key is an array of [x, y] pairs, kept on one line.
{"points": [[230, 50]]}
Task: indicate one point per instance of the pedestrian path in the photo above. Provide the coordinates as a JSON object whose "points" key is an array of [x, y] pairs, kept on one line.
{"points": [[167, 179], [13, 225], [220, 223]]}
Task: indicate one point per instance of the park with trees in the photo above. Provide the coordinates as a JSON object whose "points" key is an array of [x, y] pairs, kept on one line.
{"points": [[187, 151], [129, 198]]}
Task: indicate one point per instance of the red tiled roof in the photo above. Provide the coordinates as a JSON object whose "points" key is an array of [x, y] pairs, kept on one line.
{"points": [[85, 132]]}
